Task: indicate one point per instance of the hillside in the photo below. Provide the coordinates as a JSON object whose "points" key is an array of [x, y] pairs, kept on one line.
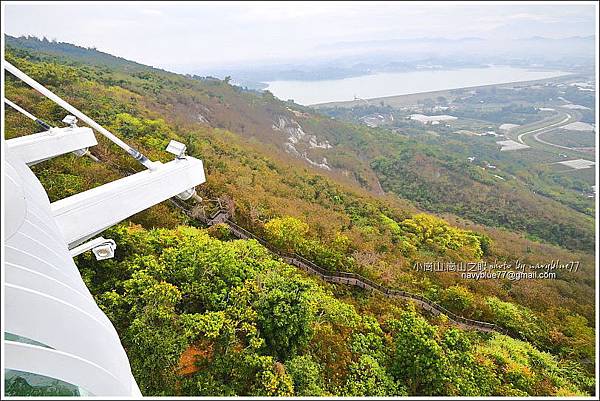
{"points": [[351, 153], [225, 317]]}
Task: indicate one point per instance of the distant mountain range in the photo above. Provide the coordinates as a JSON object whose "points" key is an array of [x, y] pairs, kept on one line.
{"points": [[348, 59]]}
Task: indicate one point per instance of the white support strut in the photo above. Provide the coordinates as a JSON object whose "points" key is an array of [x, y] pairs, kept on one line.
{"points": [[50, 95], [20, 109]]}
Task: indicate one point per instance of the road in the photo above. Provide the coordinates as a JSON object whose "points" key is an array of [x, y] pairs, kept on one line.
{"points": [[539, 131]]}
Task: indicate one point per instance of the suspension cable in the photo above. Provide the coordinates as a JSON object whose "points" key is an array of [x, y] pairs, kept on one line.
{"points": [[27, 114], [50, 95]]}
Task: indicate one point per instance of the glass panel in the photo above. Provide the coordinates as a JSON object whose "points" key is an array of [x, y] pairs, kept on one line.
{"points": [[21, 339], [22, 384]]}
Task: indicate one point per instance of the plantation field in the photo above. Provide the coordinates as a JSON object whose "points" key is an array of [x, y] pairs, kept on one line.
{"points": [[571, 139]]}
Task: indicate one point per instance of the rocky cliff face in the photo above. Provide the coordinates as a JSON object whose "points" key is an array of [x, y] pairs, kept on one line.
{"points": [[299, 143]]}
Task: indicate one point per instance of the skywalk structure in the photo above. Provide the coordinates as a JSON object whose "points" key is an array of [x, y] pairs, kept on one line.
{"points": [[56, 339]]}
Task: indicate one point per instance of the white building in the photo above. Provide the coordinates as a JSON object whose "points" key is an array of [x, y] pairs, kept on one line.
{"points": [[54, 333]]}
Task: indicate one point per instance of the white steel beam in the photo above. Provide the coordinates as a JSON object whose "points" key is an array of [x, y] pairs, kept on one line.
{"points": [[45, 145], [88, 213]]}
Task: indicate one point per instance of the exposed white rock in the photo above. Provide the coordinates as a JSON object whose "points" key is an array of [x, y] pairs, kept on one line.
{"points": [[202, 119], [296, 136], [323, 164]]}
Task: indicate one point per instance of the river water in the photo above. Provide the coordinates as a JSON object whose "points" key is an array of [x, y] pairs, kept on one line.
{"points": [[400, 83]]}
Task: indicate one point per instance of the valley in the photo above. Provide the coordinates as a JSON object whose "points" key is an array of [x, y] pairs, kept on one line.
{"points": [[533, 122]]}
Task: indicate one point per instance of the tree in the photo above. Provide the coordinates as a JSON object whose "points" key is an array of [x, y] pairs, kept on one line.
{"points": [[155, 341], [366, 378], [286, 232], [458, 299], [418, 360], [425, 230], [467, 375], [284, 313], [524, 370], [271, 379], [127, 125], [306, 375]]}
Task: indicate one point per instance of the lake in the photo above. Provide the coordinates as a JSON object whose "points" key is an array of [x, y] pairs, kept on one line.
{"points": [[400, 83]]}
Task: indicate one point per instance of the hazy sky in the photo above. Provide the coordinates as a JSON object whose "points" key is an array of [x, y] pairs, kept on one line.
{"points": [[185, 36]]}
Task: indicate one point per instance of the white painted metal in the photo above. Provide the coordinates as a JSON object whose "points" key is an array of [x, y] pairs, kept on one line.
{"points": [[50, 95], [70, 120], [86, 214], [83, 373], [48, 144], [90, 245], [187, 194], [46, 299], [15, 196], [20, 109], [176, 148]]}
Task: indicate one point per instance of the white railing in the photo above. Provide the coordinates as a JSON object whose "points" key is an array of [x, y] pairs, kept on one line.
{"points": [[50, 95], [68, 337]]}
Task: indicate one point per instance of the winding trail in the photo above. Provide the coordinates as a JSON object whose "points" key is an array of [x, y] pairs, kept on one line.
{"points": [[353, 279], [223, 217]]}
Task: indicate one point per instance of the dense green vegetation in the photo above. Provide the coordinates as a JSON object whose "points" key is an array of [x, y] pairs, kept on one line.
{"points": [[411, 169], [479, 198], [256, 326], [200, 314]]}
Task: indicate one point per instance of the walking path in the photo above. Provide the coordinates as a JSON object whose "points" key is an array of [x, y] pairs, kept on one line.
{"points": [[223, 217]]}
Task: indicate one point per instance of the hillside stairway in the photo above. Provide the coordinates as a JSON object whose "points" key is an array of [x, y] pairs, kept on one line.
{"points": [[223, 217]]}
